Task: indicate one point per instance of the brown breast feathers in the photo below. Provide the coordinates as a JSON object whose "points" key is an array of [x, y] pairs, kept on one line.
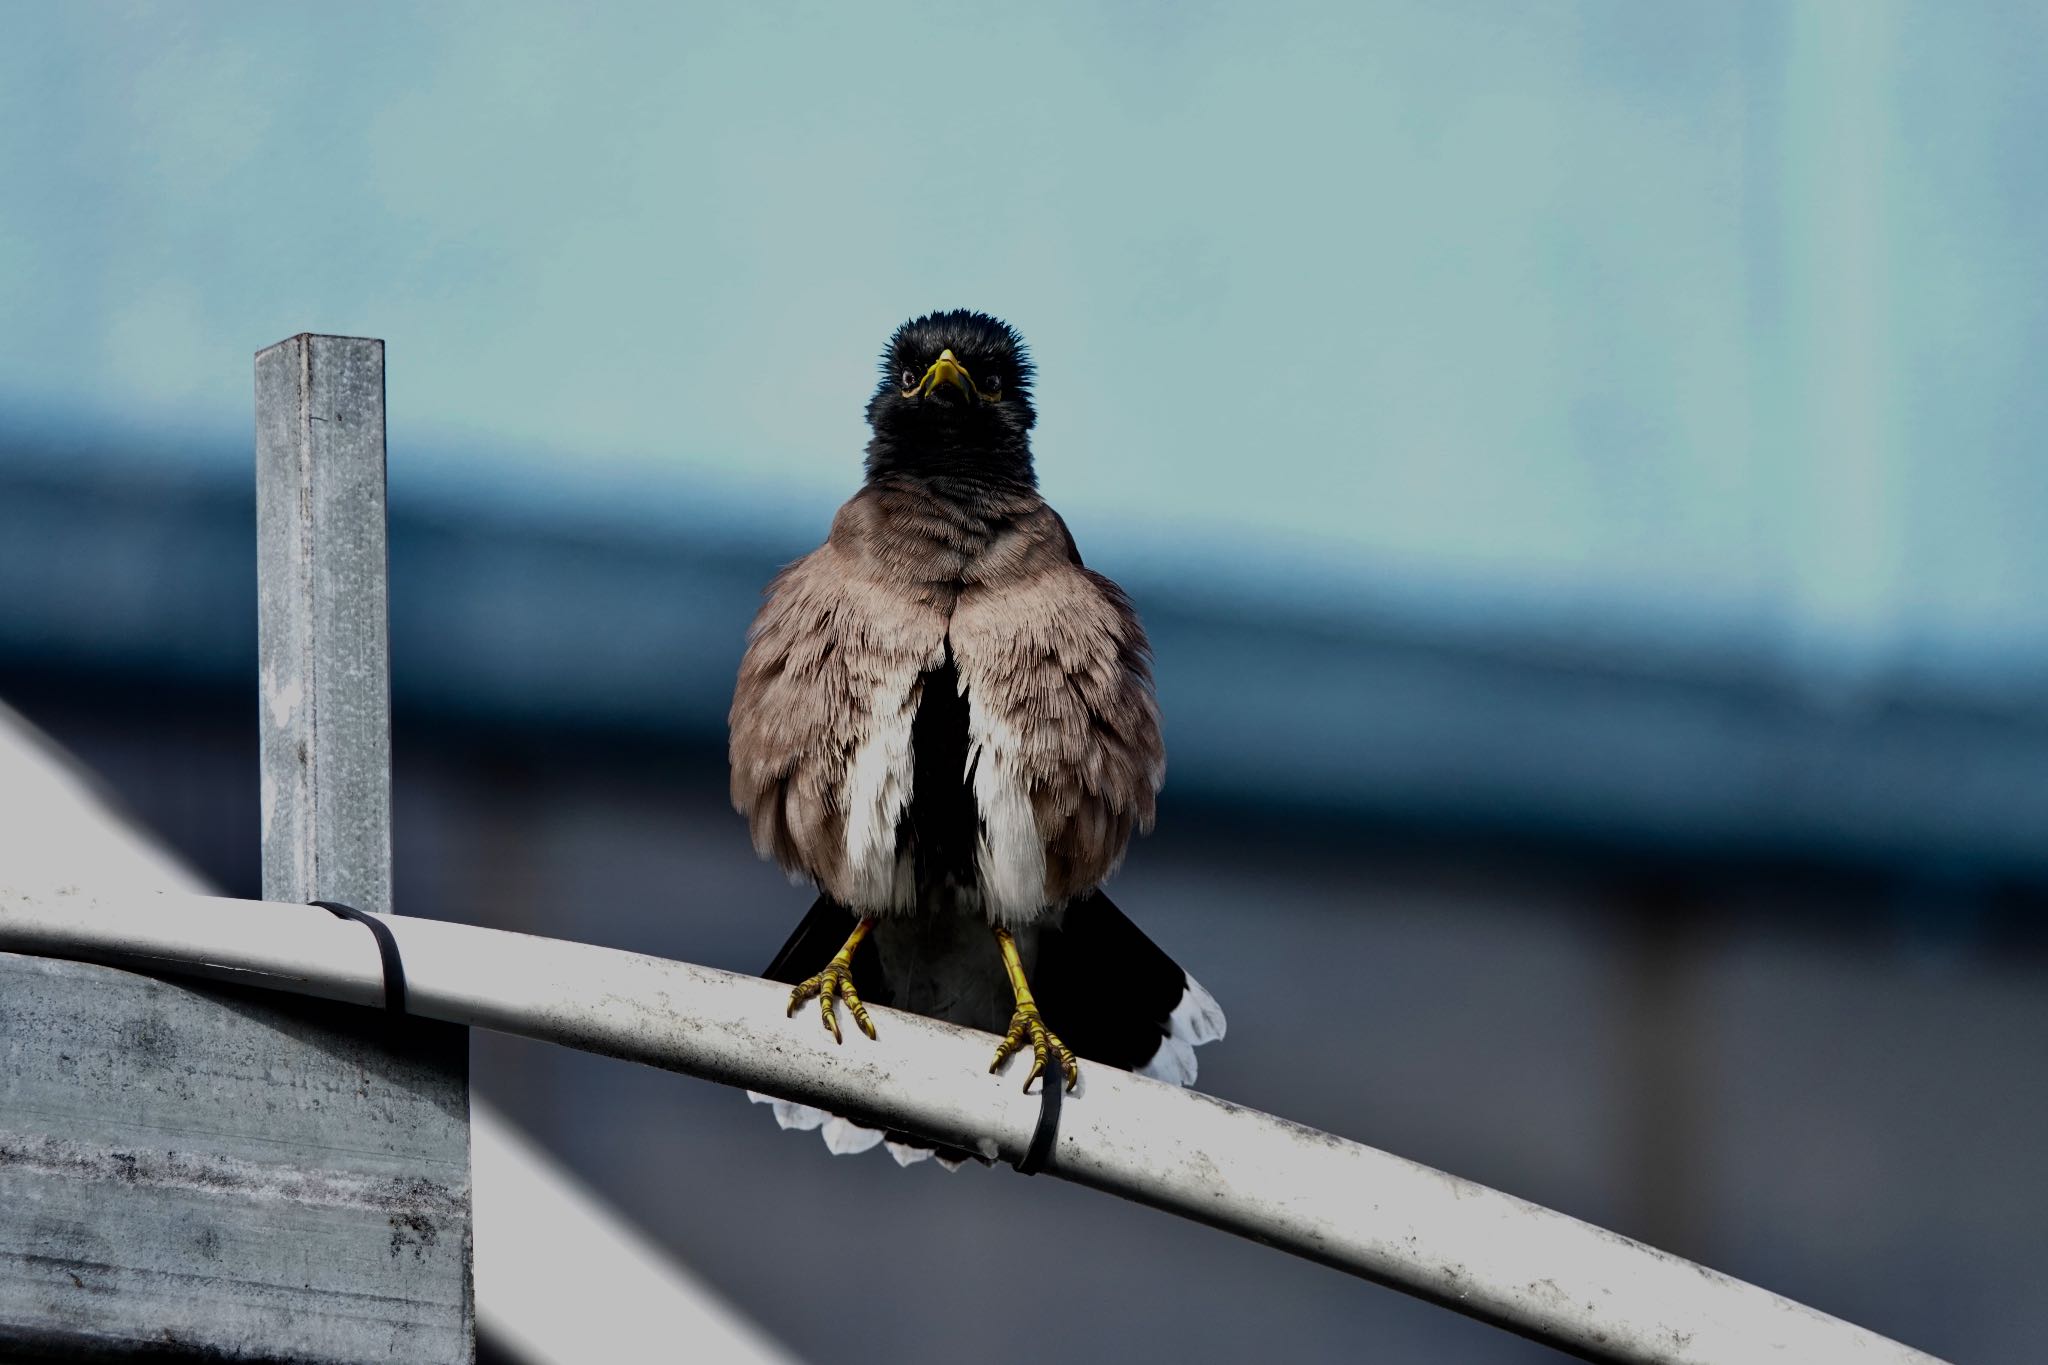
{"points": [[1065, 757]]}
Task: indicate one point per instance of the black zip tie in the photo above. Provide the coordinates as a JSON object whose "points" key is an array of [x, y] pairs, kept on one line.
{"points": [[387, 949], [1039, 1154]]}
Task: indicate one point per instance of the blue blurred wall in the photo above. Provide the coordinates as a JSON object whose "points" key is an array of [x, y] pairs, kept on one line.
{"points": [[1701, 323], [1608, 424]]}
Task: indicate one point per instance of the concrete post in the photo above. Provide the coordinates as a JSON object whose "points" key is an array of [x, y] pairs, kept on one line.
{"points": [[205, 1172]]}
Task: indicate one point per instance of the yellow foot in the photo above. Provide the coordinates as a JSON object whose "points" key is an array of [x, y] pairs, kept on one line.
{"points": [[835, 982], [1045, 1045]]}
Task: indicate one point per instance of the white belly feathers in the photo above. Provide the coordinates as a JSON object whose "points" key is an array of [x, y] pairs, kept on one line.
{"points": [[1010, 854], [879, 879]]}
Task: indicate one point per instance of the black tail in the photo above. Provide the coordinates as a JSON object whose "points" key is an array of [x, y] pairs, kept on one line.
{"points": [[1115, 997], [1110, 992]]}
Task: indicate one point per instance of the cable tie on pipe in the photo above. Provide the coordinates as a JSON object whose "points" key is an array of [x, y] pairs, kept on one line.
{"points": [[387, 949], [1039, 1154]]}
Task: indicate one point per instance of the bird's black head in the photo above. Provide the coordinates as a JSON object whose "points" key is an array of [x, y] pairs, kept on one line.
{"points": [[955, 401]]}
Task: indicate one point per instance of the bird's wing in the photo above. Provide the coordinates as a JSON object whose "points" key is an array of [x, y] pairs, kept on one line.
{"points": [[821, 716], [1058, 677]]}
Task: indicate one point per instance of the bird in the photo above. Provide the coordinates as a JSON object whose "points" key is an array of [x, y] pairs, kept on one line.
{"points": [[947, 724]]}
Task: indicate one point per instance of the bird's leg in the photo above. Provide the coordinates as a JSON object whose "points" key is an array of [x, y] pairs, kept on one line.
{"points": [[837, 981], [1026, 1025]]}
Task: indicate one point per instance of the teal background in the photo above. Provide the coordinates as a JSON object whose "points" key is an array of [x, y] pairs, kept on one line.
{"points": [[1578, 463], [1703, 322]]}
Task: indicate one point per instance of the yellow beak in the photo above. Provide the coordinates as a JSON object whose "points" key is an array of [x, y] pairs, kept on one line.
{"points": [[947, 370]]}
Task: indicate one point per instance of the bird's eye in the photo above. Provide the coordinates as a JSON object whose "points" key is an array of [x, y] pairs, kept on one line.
{"points": [[995, 383], [908, 379]]}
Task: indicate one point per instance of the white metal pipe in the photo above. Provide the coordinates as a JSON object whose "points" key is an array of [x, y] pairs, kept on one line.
{"points": [[1476, 1250]]}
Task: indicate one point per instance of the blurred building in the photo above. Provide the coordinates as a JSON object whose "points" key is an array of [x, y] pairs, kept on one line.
{"points": [[1674, 943], [1579, 464]]}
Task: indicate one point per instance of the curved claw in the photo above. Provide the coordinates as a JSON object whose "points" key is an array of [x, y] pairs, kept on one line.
{"points": [[1045, 1045], [834, 983]]}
